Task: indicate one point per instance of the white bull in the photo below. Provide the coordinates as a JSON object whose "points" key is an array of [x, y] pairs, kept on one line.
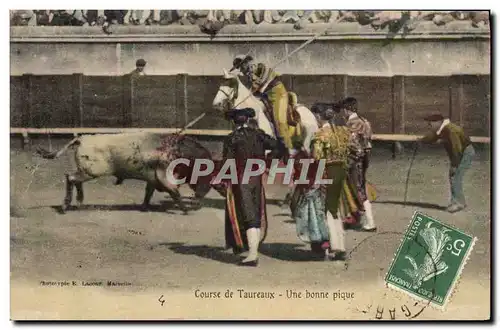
{"points": [[141, 156]]}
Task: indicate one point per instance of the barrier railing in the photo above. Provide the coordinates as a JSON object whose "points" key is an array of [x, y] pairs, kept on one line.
{"points": [[25, 132]]}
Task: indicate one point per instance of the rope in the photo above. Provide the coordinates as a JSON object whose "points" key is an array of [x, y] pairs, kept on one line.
{"points": [[409, 171]]}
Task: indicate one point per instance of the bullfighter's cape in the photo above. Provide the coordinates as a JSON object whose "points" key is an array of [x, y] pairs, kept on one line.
{"points": [[246, 202]]}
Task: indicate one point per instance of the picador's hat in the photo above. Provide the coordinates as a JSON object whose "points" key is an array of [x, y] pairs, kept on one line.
{"points": [[434, 117], [350, 103], [239, 59], [247, 112]]}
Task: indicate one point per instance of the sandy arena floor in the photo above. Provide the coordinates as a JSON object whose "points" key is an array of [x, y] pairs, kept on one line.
{"points": [[166, 254]]}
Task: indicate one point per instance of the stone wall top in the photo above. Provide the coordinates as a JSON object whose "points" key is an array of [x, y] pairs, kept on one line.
{"points": [[231, 33]]}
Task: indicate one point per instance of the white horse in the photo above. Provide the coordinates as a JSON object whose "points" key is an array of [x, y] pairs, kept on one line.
{"points": [[232, 94]]}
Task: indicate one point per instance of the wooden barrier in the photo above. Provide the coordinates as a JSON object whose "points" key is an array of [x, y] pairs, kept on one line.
{"points": [[395, 106], [25, 132]]}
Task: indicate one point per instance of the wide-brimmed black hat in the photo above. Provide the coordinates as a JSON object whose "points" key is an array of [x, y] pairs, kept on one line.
{"points": [[247, 112], [350, 103], [239, 59]]}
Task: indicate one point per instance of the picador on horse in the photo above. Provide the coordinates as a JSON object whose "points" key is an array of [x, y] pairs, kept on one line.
{"points": [[265, 84]]}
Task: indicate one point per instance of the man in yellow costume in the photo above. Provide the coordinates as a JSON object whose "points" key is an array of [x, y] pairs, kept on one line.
{"points": [[265, 83], [332, 144]]}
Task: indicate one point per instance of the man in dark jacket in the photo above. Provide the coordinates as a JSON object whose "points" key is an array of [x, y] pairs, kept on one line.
{"points": [[460, 151], [245, 201]]}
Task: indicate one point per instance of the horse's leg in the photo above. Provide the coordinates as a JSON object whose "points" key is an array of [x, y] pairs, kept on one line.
{"points": [[69, 194], [288, 196], [291, 184], [196, 204], [171, 188], [220, 188], [149, 191]]}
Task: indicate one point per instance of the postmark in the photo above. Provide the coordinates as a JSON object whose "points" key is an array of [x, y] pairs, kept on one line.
{"points": [[393, 311], [430, 260], [386, 304]]}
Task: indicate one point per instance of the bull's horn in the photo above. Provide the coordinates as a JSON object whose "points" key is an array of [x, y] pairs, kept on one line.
{"points": [[226, 74], [429, 224]]}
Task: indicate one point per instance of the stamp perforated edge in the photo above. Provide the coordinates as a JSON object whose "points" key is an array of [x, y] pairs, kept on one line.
{"points": [[396, 254], [415, 297], [454, 284]]}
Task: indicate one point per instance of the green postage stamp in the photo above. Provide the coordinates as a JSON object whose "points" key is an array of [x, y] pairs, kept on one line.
{"points": [[429, 260]]}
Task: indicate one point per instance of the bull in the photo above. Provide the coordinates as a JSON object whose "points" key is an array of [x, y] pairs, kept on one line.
{"points": [[140, 156]]}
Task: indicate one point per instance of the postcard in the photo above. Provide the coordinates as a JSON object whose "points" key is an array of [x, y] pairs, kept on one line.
{"points": [[250, 165]]}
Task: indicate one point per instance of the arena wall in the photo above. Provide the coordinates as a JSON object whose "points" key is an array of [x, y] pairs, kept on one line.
{"points": [[72, 77], [348, 48]]}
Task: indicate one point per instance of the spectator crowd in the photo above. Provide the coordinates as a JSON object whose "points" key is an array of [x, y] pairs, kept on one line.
{"points": [[376, 19]]}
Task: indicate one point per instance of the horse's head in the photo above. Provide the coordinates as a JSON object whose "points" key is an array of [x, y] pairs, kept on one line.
{"points": [[227, 94]]}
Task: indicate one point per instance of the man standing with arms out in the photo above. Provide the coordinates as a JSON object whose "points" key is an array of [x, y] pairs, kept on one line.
{"points": [[331, 144], [246, 201], [459, 148], [265, 83], [361, 133]]}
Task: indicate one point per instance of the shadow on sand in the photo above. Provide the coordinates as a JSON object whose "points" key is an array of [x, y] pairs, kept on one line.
{"points": [[282, 214], [166, 206], [113, 207], [415, 204], [203, 251], [280, 251], [288, 252], [220, 203]]}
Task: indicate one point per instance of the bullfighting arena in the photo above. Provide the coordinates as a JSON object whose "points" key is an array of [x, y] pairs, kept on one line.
{"points": [[163, 257]]}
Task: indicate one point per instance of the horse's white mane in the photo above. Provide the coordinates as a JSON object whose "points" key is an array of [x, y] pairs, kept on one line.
{"points": [[236, 74], [230, 75]]}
